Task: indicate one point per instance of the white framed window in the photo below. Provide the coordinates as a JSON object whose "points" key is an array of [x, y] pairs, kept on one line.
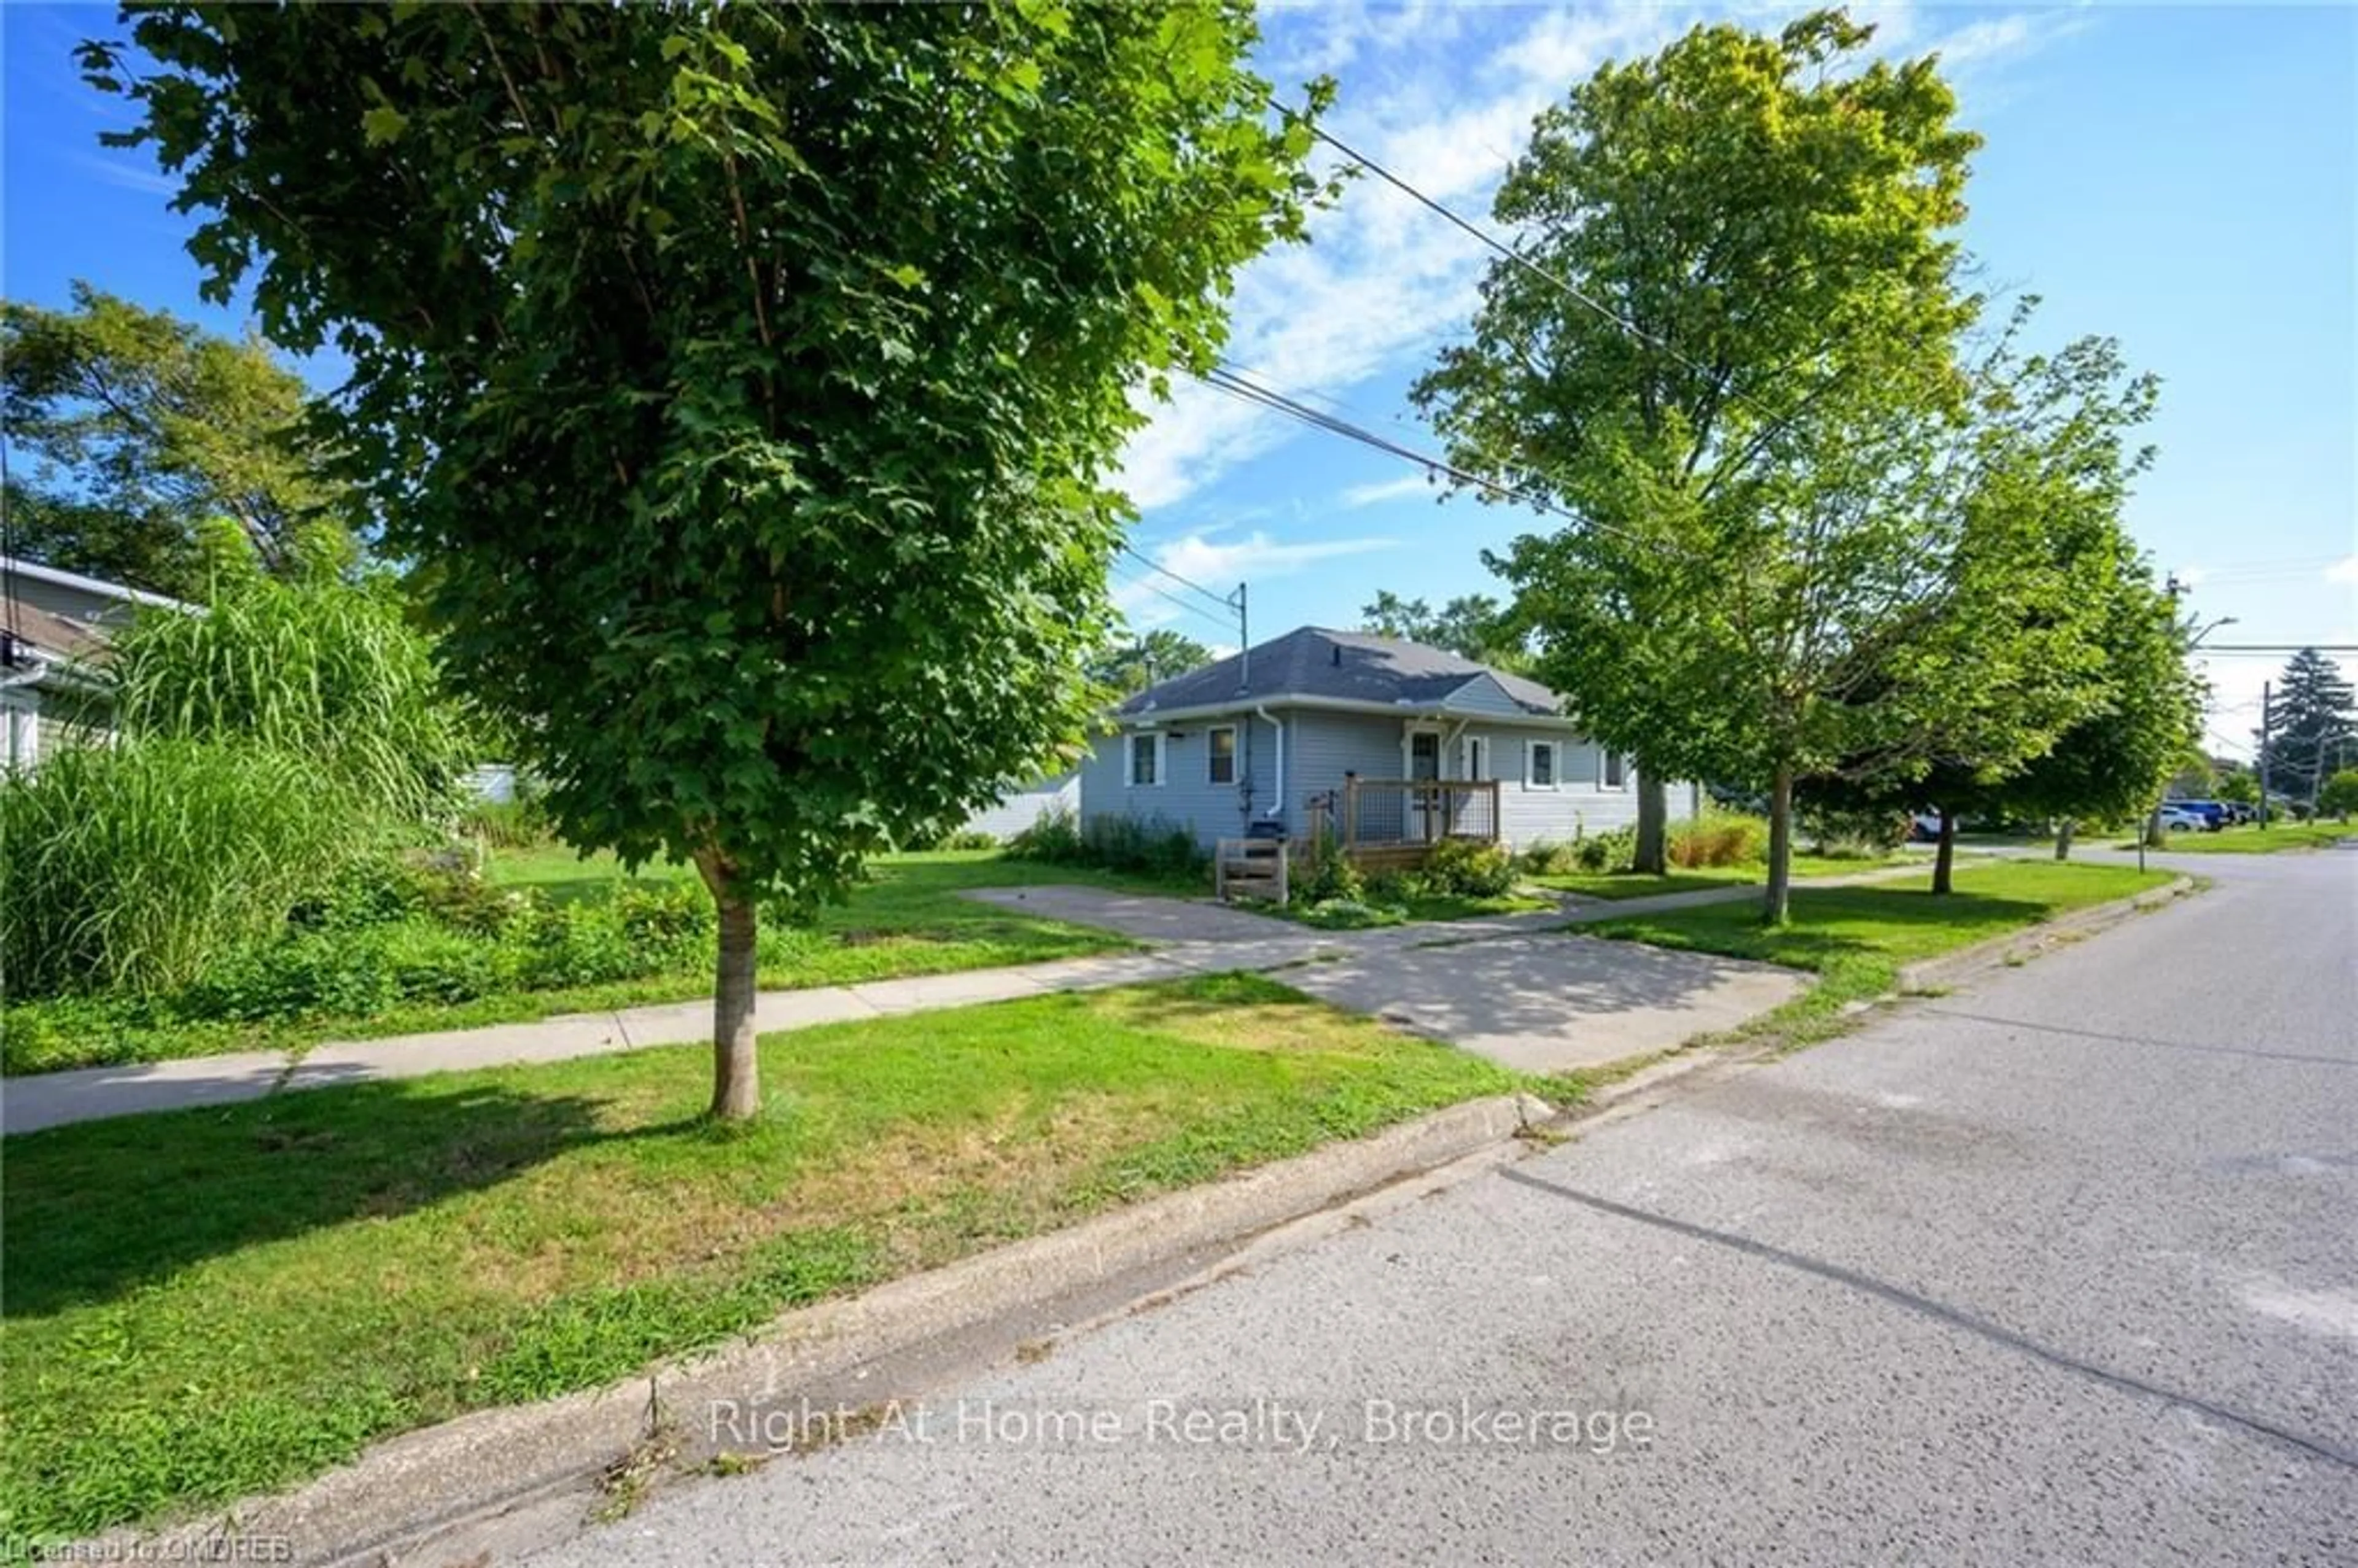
{"points": [[1474, 757], [1144, 765], [1539, 764], [1612, 770], [1220, 754]]}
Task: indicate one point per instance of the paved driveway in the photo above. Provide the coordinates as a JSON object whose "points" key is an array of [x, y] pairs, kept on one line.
{"points": [[1142, 915], [1542, 1004]]}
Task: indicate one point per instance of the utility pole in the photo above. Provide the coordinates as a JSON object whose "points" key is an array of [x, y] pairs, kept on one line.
{"points": [[2266, 687], [1244, 640]]}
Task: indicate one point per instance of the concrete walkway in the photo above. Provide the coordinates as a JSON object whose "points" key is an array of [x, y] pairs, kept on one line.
{"points": [[1528, 1001], [50, 1099]]}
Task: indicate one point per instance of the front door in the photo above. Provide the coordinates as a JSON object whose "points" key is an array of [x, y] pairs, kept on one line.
{"points": [[1424, 805]]}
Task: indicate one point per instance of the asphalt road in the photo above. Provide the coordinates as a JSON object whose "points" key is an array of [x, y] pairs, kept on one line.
{"points": [[2060, 1268]]}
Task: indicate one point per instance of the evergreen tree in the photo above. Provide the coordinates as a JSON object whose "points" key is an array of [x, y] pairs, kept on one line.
{"points": [[2312, 729]]}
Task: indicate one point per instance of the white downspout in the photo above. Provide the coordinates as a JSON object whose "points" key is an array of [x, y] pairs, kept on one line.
{"points": [[1278, 725]]}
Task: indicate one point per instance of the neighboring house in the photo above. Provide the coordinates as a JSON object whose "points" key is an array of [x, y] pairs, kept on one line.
{"points": [[1020, 807], [1399, 744], [54, 627]]}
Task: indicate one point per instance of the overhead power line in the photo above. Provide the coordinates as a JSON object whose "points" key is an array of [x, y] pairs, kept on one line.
{"points": [[1520, 260], [1241, 387], [2275, 650], [1152, 565], [1225, 622]]}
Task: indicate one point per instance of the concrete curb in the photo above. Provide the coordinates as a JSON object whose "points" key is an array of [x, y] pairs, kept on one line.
{"points": [[441, 1494], [2017, 946]]}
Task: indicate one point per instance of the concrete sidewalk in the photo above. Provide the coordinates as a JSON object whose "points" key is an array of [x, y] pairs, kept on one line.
{"points": [[1533, 1004], [50, 1099]]}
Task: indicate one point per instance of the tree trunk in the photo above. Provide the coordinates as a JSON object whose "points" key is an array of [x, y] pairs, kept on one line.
{"points": [[1944, 859], [2063, 831], [1652, 857], [1779, 906], [736, 1067]]}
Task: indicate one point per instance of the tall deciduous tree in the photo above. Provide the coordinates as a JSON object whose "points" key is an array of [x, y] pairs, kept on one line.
{"points": [[1736, 267], [2313, 725], [141, 428], [746, 375], [1473, 625], [1160, 655], [2113, 761], [1997, 644]]}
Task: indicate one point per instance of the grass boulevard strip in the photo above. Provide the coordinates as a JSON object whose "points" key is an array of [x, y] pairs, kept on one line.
{"points": [[379, 1257]]}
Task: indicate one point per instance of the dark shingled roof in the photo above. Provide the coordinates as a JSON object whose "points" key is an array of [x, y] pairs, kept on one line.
{"points": [[1352, 666], [55, 634]]}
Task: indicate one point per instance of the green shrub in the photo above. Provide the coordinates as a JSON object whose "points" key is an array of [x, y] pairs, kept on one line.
{"points": [[1392, 889], [1054, 839], [519, 823], [135, 866], [1155, 846], [1719, 839], [1325, 875], [1612, 852], [677, 917], [1468, 868], [2339, 795], [970, 838], [1548, 858], [1152, 846], [1863, 835]]}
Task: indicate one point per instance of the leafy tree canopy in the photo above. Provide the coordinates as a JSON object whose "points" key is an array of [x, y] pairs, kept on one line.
{"points": [[141, 426], [1729, 330], [747, 377], [2339, 795], [1133, 666], [1472, 625]]}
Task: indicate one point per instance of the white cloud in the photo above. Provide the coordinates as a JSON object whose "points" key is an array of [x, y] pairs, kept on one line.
{"points": [[121, 168], [2189, 576], [1388, 490], [1383, 280], [2343, 570], [1998, 39], [1150, 598]]}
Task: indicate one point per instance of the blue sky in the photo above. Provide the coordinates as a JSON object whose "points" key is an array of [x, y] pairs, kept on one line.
{"points": [[2184, 178]]}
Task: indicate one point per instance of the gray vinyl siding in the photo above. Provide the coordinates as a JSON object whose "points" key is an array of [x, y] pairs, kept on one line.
{"points": [[1325, 746], [1486, 696], [1186, 796], [1321, 746]]}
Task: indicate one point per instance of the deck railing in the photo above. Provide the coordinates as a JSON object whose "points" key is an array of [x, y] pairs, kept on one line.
{"points": [[1397, 820]]}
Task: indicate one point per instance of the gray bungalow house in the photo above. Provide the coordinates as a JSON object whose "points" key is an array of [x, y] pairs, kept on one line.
{"points": [[1395, 744], [54, 629]]}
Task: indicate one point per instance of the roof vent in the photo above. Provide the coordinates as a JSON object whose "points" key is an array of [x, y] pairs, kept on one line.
{"points": [[1336, 651]]}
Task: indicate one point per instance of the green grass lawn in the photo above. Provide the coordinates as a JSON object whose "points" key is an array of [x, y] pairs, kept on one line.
{"points": [[208, 1303], [1619, 885], [1856, 938], [2253, 839], [907, 920]]}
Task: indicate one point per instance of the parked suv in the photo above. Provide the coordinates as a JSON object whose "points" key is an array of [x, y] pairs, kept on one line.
{"points": [[2213, 813]]}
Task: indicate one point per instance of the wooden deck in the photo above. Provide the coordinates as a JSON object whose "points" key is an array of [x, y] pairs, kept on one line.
{"points": [[1390, 825]]}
